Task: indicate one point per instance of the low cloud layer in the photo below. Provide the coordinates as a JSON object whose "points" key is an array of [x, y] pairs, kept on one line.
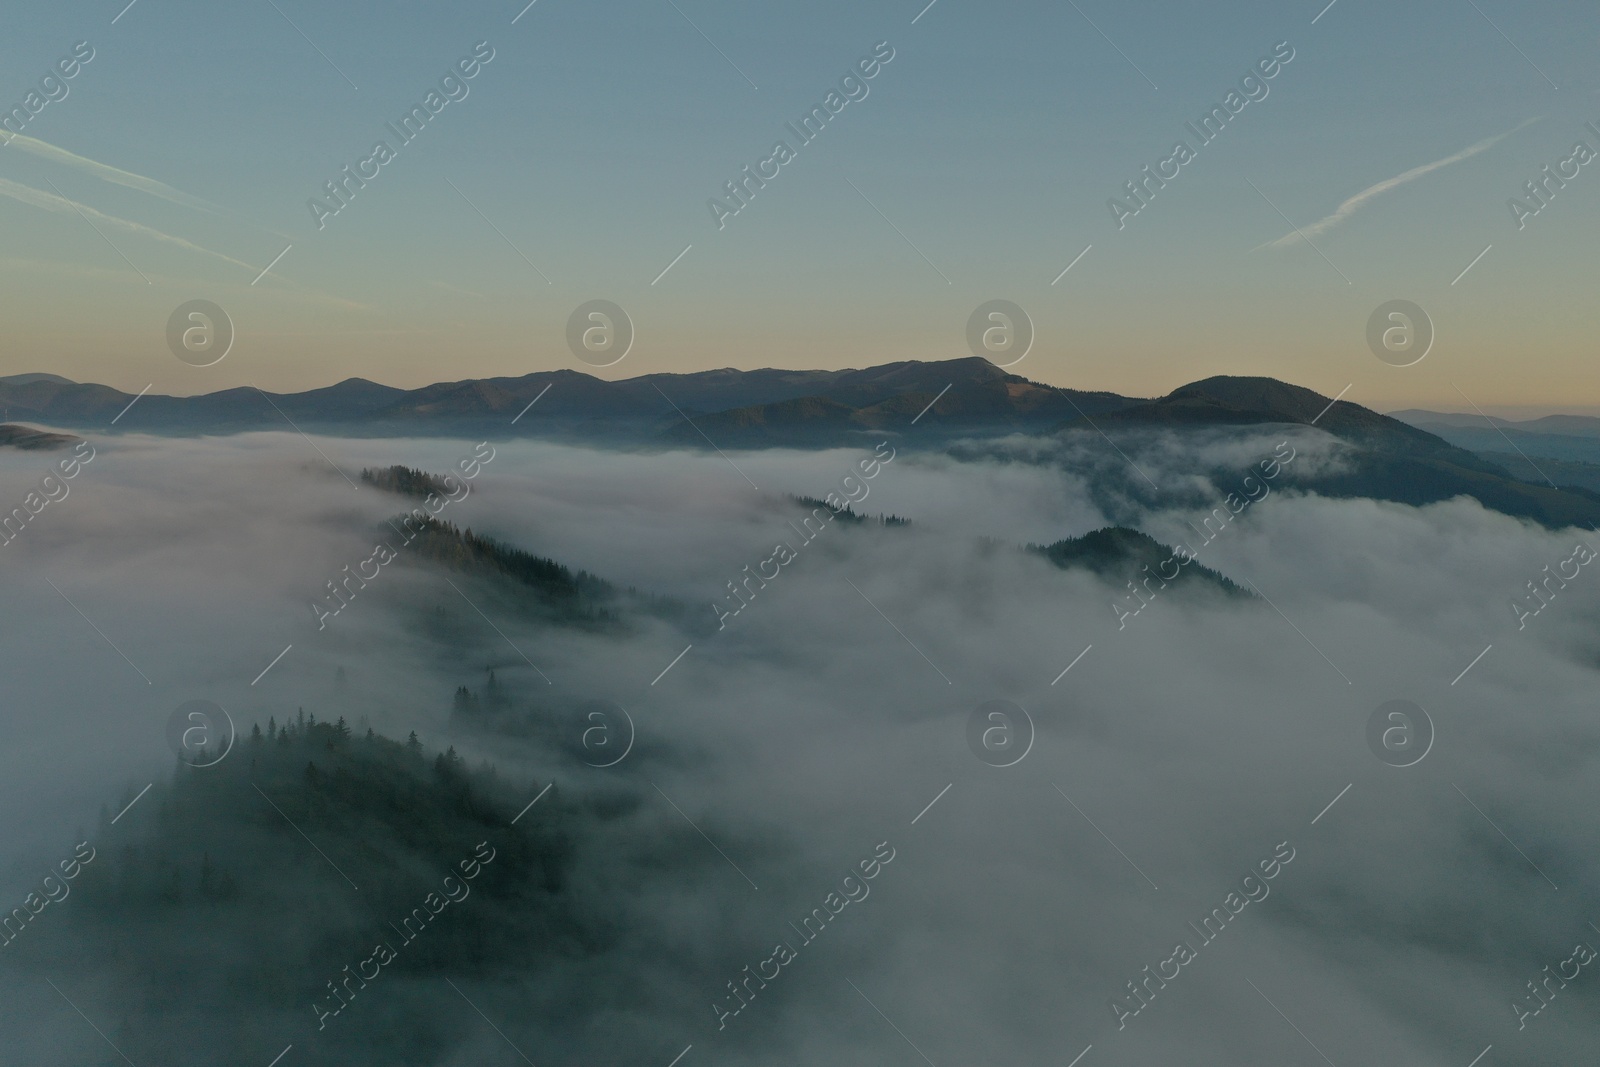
{"points": [[1175, 755]]}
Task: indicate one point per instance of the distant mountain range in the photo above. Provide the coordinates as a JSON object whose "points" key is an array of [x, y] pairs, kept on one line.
{"points": [[1422, 458], [1390, 460], [1572, 438], [734, 408], [1566, 425], [29, 379]]}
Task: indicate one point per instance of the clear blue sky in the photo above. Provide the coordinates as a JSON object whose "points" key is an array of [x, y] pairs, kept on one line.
{"points": [[991, 142]]}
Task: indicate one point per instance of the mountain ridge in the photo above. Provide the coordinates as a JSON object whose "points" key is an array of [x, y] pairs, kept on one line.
{"points": [[945, 401], [640, 408]]}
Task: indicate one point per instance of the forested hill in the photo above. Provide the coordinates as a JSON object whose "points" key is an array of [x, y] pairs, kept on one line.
{"points": [[231, 895], [407, 481], [1121, 555], [574, 594]]}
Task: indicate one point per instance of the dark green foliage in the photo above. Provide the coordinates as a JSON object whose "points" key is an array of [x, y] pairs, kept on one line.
{"points": [[578, 597], [1121, 555], [541, 587], [811, 503], [13, 435], [406, 481], [214, 899], [1573, 476], [535, 717], [465, 705]]}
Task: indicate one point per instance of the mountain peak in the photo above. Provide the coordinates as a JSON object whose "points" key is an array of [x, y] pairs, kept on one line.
{"points": [[30, 379], [1256, 394]]}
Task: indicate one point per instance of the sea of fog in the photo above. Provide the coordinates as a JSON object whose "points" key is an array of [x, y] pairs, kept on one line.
{"points": [[1182, 756]]}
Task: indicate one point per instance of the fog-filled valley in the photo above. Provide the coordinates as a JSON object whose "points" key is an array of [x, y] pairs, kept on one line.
{"points": [[735, 753], [721, 534]]}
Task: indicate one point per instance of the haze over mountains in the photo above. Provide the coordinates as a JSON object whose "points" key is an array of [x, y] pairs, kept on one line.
{"points": [[1423, 459], [1558, 449], [757, 408], [773, 748]]}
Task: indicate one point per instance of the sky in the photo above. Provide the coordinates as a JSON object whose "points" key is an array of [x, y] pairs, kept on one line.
{"points": [[978, 165]]}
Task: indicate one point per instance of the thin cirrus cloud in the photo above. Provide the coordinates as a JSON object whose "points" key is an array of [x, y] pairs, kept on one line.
{"points": [[106, 172], [51, 202], [57, 204], [1367, 195]]}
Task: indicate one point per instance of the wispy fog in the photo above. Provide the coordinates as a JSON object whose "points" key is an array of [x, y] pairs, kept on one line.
{"points": [[1177, 753]]}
